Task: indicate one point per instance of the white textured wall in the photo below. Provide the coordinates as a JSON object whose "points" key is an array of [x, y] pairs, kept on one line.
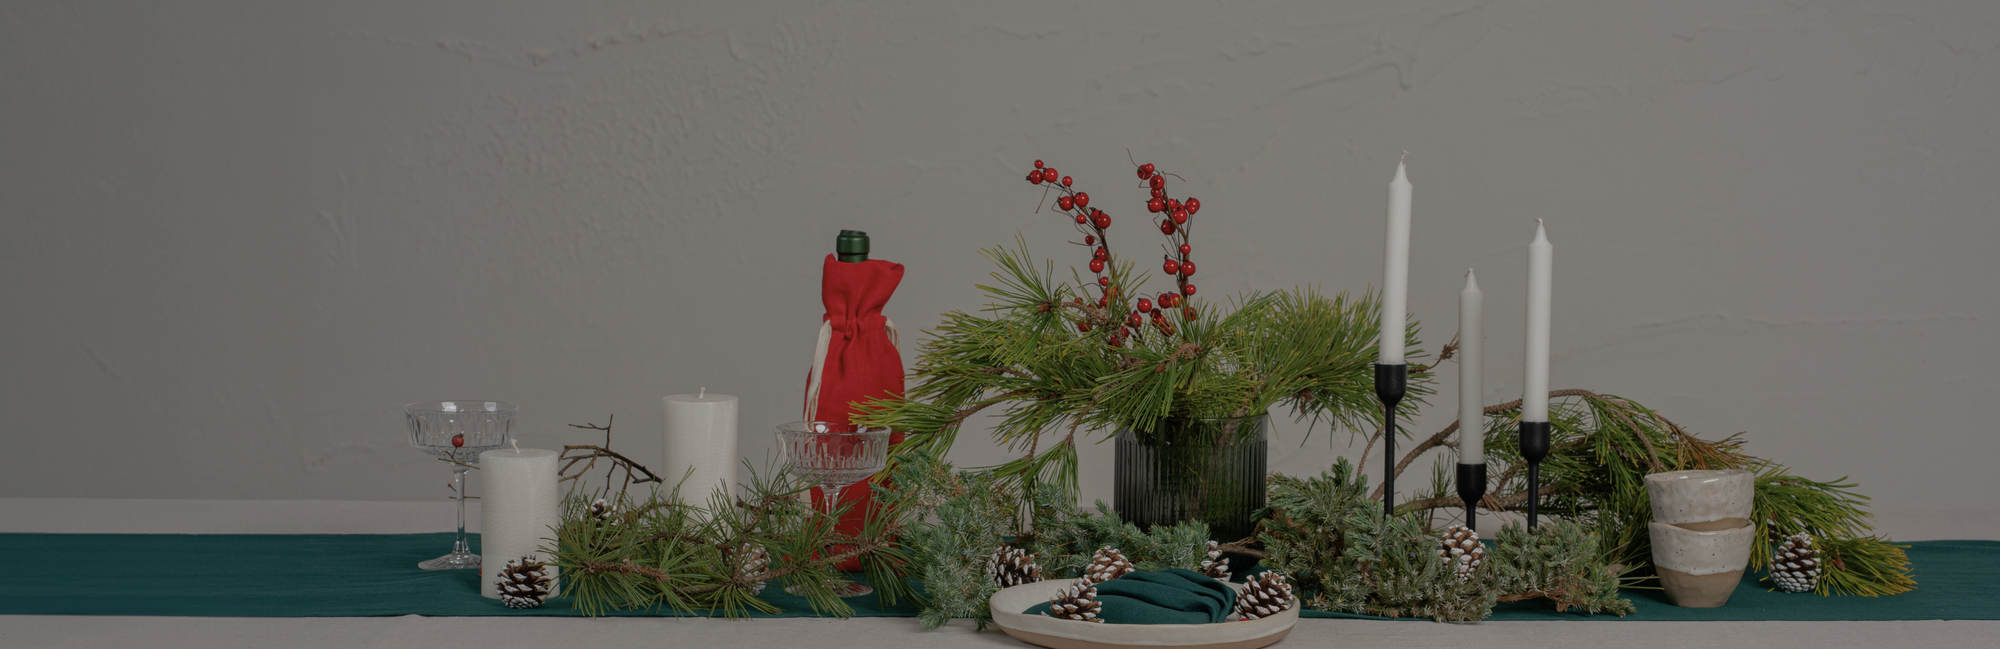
{"points": [[239, 235]]}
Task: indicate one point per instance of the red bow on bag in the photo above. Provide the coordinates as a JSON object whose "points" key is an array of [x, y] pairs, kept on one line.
{"points": [[856, 361]]}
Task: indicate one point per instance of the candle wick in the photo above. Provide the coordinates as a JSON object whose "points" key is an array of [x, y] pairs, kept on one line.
{"points": [[1406, 157], [516, 443], [704, 393]]}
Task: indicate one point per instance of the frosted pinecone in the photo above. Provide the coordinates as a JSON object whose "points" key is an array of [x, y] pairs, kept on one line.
{"points": [[752, 561], [1265, 595], [1107, 564], [1795, 565], [1077, 601], [1214, 565], [524, 583], [1013, 567], [1461, 549], [604, 511]]}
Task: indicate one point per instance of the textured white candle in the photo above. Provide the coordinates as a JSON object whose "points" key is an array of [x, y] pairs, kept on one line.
{"points": [[701, 435], [518, 510], [1541, 259], [1396, 271], [1471, 384]]}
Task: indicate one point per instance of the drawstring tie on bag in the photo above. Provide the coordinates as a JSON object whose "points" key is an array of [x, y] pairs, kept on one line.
{"points": [[814, 380]]}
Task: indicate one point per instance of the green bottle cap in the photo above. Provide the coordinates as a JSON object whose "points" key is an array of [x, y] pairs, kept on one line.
{"points": [[851, 246]]}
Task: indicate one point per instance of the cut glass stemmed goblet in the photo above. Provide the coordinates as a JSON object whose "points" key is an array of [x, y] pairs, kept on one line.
{"points": [[459, 431], [833, 456]]}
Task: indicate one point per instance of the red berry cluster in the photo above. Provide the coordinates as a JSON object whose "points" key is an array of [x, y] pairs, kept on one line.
{"points": [[1091, 223], [1176, 220], [1128, 319]]}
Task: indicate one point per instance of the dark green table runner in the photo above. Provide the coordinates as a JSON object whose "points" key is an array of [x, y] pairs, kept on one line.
{"points": [[355, 575]]}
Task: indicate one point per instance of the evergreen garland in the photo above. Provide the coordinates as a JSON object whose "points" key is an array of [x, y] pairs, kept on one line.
{"points": [[971, 513], [1325, 534], [1557, 563], [1342, 554], [968, 514], [666, 552], [1603, 446]]}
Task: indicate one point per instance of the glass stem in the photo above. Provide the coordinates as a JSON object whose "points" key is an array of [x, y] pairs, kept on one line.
{"points": [[458, 480], [831, 500]]}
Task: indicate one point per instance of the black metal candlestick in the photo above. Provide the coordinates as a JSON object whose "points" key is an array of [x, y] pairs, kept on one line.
{"points": [[1391, 381], [1534, 447], [1471, 488]]}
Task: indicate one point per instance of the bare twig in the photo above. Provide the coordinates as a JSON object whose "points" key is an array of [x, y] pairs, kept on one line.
{"points": [[1243, 547], [1509, 502], [588, 455], [1445, 354], [1438, 438]]}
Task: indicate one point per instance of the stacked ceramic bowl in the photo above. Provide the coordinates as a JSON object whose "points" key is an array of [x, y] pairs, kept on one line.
{"points": [[1701, 533]]}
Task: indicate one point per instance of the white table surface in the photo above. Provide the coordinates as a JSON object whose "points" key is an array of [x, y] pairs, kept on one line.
{"points": [[183, 516]]}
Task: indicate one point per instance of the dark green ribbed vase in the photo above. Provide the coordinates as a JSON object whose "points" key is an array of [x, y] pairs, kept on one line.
{"points": [[1208, 470]]}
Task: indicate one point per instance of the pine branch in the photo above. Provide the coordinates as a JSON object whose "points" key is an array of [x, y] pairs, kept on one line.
{"points": [[667, 552]]}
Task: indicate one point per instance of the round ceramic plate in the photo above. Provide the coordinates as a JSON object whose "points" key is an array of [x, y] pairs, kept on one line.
{"points": [[1070, 634]]}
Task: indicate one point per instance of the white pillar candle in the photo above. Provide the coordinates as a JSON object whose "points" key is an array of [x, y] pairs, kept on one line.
{"points": [[1471, 384], [701, 444], [1535, 394], [1396, 271], [518, 510]]}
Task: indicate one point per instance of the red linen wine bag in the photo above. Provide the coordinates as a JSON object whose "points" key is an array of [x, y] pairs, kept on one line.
{"points": [[856, 361]]}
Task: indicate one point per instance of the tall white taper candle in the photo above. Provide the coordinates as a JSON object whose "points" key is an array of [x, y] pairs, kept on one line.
{"points": [[1535, 394], [1471, 384], [518, 510], [1396, 270], [701, 436]]}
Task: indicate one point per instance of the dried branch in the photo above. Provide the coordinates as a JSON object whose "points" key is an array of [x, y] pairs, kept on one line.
{"points": [[588, 455], [1243, 547], [1435, 440], [1450, 349], [1510, 502]]}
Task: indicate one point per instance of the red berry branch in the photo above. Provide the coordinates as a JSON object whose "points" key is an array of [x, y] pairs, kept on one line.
{"points": [[1175, 222]]}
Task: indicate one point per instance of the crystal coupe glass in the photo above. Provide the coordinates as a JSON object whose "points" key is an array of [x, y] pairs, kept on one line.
{"points": [[833, 456], [459, 431]]}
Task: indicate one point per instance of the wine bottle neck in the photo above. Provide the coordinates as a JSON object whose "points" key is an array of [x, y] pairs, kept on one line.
{"points": [[851, 246]]}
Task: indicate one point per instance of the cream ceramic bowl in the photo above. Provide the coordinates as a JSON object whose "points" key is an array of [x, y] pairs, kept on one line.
{"points": [[1684, 497], [1700, 569], [1702, 553], [1070, 634]]}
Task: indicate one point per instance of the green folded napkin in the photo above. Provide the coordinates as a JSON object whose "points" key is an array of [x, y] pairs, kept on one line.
{"points": [[1169, 597]]}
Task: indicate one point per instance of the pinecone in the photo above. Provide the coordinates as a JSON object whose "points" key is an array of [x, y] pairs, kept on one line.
{"points": [[1215, 565], [1106, 565], [524, 584], [1461, 549], [1077, 601], [1267, 594], [752, 561], [1795, 566], [604, 511], [1013, 567]]}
